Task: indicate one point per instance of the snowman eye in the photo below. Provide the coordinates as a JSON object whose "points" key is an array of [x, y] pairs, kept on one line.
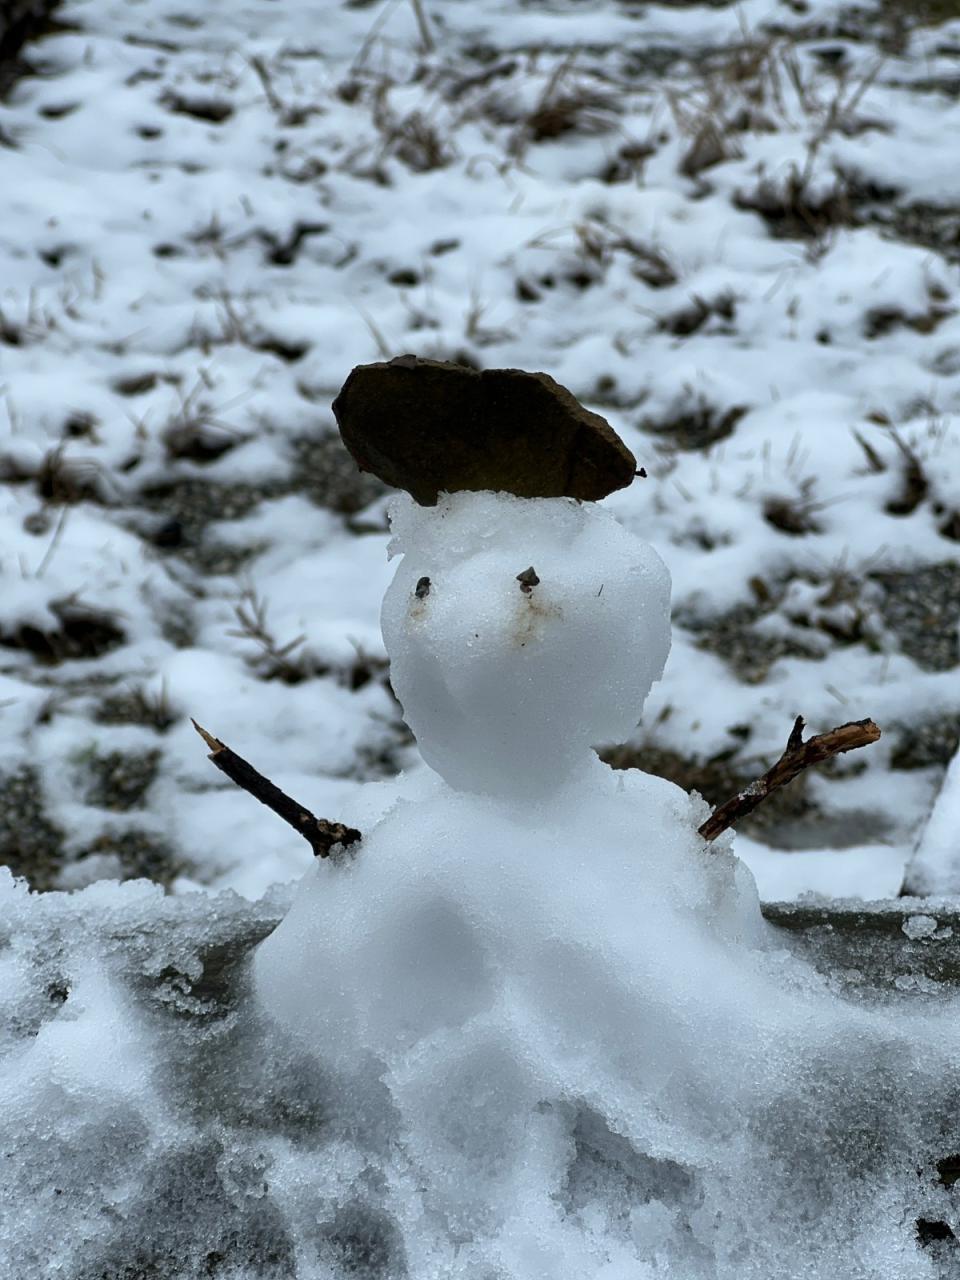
{"points": [[422, 589], [528, 580]]}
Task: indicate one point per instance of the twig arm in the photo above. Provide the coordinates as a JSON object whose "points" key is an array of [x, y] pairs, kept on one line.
{"points": [[321, 835], [797, 756]]}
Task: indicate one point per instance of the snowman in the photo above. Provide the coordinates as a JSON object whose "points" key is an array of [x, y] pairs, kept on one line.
{"points": [[504, 942]]}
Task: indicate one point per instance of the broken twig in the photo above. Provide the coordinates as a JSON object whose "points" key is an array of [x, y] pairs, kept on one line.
{"points": [[799, 755], [322, 835]]}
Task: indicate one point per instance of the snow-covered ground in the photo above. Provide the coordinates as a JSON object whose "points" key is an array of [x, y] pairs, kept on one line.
{"points": [[535, 1028], [732, 230]]}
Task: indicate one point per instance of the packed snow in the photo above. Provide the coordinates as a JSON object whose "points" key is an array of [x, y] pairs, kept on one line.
{"points": [[508, 684]]}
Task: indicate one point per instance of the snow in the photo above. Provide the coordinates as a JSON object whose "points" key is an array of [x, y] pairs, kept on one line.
{"points": [[871, 872], [920, 926], [170, 313], [517, 1093], [536, 1029], [934, 868]]}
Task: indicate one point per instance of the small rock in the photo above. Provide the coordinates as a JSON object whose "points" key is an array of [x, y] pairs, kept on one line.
{"points": [[528, 580], [431, 427]]}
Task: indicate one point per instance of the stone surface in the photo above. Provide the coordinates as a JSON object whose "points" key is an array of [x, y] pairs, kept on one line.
{"points": [[876, 948], [431, 427]]}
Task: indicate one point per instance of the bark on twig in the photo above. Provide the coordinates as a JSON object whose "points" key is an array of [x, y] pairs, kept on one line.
{"points": [[321, 835], [799, 755]]}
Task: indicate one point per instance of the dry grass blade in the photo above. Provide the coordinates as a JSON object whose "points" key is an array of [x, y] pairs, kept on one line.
{"points": [[427, 43], [251, 613]]}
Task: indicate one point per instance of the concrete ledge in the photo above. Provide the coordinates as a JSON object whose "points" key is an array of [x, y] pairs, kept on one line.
{"points": [[907, 945]]}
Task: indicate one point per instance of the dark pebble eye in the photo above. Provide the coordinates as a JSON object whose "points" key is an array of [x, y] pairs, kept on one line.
{"points": [[422, 589], [528, 580]]}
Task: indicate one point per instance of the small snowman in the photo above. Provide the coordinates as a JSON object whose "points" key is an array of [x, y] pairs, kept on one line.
{"points": [[524, 625], [474, 956]]}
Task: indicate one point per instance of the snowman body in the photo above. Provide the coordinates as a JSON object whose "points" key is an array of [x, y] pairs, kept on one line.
{"points": [[522, 930], [508, 686], [551, 1031]]}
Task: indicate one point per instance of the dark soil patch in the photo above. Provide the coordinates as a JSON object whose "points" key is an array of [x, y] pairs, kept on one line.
{"points": [[841, 611], [324, 472], [31, 844], [749, 653], [199, 441], [922, 13], [921, 608], [791, 517], [140, 854], [931, 226], [699, 427], [197, 107], [321, 469], [926, 743], [136, 706], [136, 384], [880, 321], [698, 314], [63, 480], [20, 22], [283, 251], [82, 633], [187, 505], [120, 780], [792, 213]]}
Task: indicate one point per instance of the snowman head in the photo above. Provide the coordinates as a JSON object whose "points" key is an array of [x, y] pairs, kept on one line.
{"points": [[524, 625], [521, 633]]}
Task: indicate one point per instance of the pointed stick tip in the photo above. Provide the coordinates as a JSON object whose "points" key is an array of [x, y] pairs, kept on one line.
{"points": [[213, 743]]}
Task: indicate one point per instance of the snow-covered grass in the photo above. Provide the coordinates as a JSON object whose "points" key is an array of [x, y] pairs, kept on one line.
{"points": [[534, 1027], [731, 230]]}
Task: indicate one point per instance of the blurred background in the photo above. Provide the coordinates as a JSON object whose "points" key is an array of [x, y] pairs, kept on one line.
{"points": [[734, 230]]}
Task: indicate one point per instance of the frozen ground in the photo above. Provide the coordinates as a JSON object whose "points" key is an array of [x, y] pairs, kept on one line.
{"points": [[733, 230]]}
